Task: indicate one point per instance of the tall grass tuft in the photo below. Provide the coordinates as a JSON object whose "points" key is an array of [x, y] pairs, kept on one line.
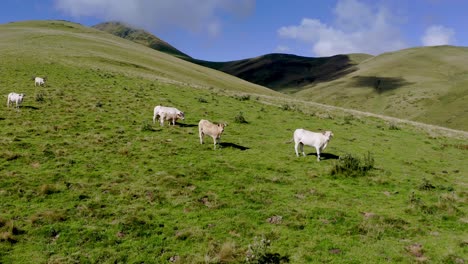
{"points": [[258, 252], [40, 97], [239, 118], [351, 166]]}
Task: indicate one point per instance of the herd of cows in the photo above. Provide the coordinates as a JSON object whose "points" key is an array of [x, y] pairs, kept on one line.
{"points": [[301, 136]]}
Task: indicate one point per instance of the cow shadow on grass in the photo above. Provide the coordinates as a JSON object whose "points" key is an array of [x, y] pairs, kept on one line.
{"points": [[232, 145], [30, 107], [186, 125], [325, 156]]}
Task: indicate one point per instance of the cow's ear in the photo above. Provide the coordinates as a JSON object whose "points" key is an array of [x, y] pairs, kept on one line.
{"points": [[323, 133]]}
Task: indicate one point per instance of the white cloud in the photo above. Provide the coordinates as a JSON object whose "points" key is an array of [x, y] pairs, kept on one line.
{"points": [[192, 15], [438, 35], [358, 28], [282, 49]]}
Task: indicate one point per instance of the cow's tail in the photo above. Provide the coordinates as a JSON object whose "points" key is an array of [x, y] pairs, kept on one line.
{"points": [[289, 141]]}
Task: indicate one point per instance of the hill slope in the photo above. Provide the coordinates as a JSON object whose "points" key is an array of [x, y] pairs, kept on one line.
{"points": [[286, 72], [52, 42], [421, 84], [140, 36], [427, 84], [281, 72], [86, 177]]}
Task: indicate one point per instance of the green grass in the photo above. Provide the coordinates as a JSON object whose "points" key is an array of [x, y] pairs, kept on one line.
{"points": [[85, 177]]}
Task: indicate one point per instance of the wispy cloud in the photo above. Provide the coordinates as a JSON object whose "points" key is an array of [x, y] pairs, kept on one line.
{"points": [[358, 28], [438, 35], [282, 49], [195, 16]]}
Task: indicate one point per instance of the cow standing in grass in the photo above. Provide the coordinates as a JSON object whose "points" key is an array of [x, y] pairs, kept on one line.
{"points": [[170, 114], [205, 127], [39, 81], [319, 141], [15, 98]]}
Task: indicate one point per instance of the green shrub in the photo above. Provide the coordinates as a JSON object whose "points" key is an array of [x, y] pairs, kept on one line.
{"points": [[351, 166], [393, 126], [286, 107], [258, 253], [146, 127], [244, 97], [239, 118], [40, 97]]}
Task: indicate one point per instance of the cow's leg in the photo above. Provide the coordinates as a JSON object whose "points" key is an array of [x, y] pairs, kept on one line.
{"points": [[318, 153], [200, 134], [161, 120], [302, 149], [296, 145]]}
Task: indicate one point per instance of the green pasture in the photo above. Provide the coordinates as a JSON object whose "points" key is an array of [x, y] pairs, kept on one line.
{"points": [[86, 177]]}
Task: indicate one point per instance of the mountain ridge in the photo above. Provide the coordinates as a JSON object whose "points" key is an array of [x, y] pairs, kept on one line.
{"points": [[276, 71]]}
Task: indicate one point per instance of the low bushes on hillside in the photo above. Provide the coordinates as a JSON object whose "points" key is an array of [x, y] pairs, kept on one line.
{"points": [[351, 166]]}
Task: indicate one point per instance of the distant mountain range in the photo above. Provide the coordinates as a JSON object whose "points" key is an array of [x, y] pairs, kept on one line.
{"points": [[426, 84], [281, 72]]}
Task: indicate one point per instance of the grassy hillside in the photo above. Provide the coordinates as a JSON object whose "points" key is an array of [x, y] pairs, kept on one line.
{"points": [[64, 43], [85, 177], [140, 36], [427, 84]]}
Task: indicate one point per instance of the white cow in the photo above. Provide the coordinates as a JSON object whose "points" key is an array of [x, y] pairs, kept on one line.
{"points": [[205, 127], [167, 113], [317, 140], [39, 81], [16, 98]]}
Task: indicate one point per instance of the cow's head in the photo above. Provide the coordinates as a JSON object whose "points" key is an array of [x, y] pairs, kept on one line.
{"points": [[181, 115], [221, 127], [328, 134]]}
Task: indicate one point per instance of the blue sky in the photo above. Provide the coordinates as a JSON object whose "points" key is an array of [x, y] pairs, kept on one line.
{"points": [[224, 30]]}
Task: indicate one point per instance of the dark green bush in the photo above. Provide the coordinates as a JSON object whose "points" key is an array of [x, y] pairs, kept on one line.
{"points": [[351, 166]]}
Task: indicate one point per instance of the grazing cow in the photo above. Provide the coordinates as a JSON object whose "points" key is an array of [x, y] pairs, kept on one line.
{"points": [[205, 127], [317, 140], [16, 98], [39, 81], [167, 113]]}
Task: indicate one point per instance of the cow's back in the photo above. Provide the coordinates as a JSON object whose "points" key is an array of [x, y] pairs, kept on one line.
{"points": [[306, 137]]}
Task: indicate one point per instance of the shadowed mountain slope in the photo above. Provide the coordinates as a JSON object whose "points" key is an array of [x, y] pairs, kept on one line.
{"points": [[286, 72], [280, 72]]}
